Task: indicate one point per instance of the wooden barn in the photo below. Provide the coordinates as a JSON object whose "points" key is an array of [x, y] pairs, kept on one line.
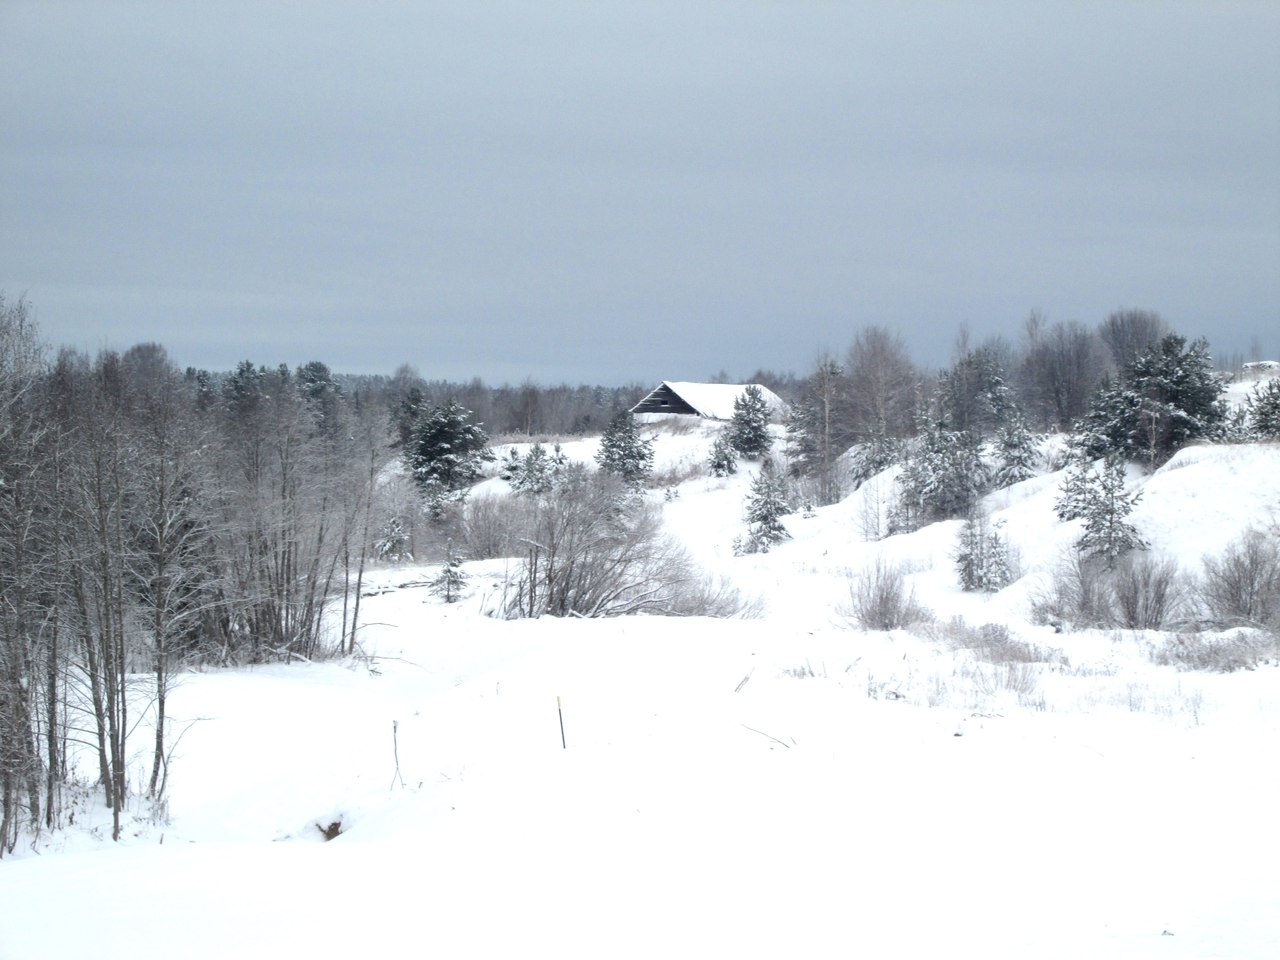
{"points": [[713, 401]]}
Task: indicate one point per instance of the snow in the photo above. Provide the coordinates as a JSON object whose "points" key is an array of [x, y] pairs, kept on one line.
{"points": [[786, 785], [1252, 376]]}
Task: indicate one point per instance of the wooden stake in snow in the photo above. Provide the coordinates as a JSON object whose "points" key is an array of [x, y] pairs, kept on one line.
{"points": [[395, 750], [563, 745]]}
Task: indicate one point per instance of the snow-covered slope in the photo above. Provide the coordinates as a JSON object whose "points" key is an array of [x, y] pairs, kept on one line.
{"points": [[781, 786]]}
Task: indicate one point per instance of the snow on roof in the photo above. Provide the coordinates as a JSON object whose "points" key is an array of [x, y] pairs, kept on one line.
{"points": [[1260, 369], [715, 400]]}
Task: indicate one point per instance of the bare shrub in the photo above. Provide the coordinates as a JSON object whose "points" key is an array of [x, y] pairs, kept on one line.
{"points": [[1218, 653], [990, 642], [880, 600], [1243, 585], [803, 672], [701, 596], [1021, 679], [591, 549], [674, 474], [1079, 595], [1146, 593], [490, 525], [674, 425]]}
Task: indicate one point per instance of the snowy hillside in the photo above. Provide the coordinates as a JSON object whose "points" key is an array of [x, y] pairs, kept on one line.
{"points": [[786, 785]]}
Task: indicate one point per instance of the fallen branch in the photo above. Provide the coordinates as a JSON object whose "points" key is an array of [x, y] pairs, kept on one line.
{"points": [[769, 735]]}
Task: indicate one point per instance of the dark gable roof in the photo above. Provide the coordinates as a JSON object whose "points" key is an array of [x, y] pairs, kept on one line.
{"points": [[664, 400]]}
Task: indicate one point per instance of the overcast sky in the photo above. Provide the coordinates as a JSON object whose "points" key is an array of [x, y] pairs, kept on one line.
{"points": [[615, 192]]}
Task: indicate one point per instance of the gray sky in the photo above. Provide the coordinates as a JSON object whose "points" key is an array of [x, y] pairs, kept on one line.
{"points": [[608, 192]]}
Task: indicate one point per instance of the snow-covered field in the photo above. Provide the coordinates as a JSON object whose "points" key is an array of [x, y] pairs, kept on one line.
{"points": [[784, 786]]}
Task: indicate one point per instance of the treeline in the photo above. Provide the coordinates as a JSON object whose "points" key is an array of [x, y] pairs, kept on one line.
{"points": [[858, 413], [528, 409]]}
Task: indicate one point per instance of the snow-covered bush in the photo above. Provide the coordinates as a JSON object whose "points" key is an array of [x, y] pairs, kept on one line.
{"points": [[879, 598], [1216, 652]]}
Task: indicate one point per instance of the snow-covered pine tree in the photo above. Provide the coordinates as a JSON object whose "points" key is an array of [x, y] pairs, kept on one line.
{"points": [[766, 505], [1015, 451], [869, 458], [943, 476], [392, 544], [749, 428], [624, 453], [802, 442], [537, 472], [817, 431], [445, 449], [723, 461], [982, 555], [1263, 406], [557, 466], [1167, 398], [509, 469], [1096, 495], [972, 395], [452, 580]]}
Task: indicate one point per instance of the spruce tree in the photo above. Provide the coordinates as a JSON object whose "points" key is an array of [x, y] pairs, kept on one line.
{"points": [[943, 476], [818, 430], [766, 505], [445, 450], [1263, 410], [972, 394], [723, 461], [749, 428], [869, 458], [1166, 399], [392, 544], [1095, 493], [511, 465], [537, 472], [624, 453], [982, 555], [452, 580], [1015, 452]]}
